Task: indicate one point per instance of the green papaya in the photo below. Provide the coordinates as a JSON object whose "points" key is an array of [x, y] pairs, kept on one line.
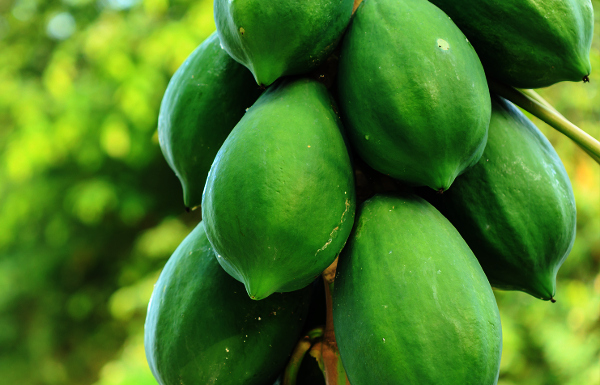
{"points": [[411, 304], [201, 327], [204, 100], [274, 39], [515, 208], [527, 43], [412, 92], [279, 201]]}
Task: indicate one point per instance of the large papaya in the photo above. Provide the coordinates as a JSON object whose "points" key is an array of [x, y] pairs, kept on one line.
{"points": [[279, 201], [411, 304], [280, 38], [204, 100], [201, 327], [527, 43], [412, 92], [515, 208]]}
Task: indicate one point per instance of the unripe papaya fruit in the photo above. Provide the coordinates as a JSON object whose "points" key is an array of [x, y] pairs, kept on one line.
{"points": [[201, 327], [411, 304], [412, 92], [280, 38], [279, 201], [515, 208], [204, 100], [527, 43]]}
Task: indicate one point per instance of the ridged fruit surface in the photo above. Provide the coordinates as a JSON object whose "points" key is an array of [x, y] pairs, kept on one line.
{"points": [[201, 327], [515, 208], [412, 92], [527, 43], [411, 305], [204, 100], [279, 201], [280, 38]]}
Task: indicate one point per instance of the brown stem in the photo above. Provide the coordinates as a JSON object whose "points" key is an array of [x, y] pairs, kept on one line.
{"points": [[332, 363], [303, 346]]}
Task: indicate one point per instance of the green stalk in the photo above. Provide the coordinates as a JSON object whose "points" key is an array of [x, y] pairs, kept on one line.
{"points": [[538, 98], [332, 362], [291, 370], [533, 103]]}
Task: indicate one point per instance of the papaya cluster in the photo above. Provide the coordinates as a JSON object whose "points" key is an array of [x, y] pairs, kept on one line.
{"points": [[307, 131]]}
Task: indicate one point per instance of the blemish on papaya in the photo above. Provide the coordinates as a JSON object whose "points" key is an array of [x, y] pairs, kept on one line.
{"points": [[332, 234], [443, 44]]}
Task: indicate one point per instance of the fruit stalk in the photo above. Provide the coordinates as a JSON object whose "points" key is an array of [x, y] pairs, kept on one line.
{"points": [[332, 362], [537, 97], [533, 103], [303, 346], [320, 343]]}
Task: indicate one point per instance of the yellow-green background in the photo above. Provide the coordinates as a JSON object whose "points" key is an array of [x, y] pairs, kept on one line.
{"points": [[89, 210]]}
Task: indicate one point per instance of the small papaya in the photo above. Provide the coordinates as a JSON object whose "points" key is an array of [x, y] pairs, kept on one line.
{"points": [[204, 100], [279, 201], [411, 305], [528, 43], [201, 327], [280, 38], [412, 92], [515, 207]]}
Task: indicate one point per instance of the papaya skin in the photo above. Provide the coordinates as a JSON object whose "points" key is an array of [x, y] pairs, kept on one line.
{"points": [[411, 304], [528, 43], [204, 100], [415, 109], [280, 198], [275, 39], [201, 328], [515, 208]]}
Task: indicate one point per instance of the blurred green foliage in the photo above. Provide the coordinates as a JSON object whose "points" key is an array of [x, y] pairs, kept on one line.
{"points": [[89, 210]]}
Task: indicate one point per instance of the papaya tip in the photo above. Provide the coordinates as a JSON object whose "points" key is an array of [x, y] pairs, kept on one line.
{"points": [[188, 210], [552, 300], [586, 79], [440, 191]]}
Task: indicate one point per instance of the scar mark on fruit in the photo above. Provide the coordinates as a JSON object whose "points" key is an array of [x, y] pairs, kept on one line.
{"points": [[586, 79], [242, 31], [443, 44], [332, 234]]}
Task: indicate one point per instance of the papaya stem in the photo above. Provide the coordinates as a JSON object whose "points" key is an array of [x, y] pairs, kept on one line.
{"points": [[316, 352], [533, 103], [291, 370], [332, 362], [538, 98]]}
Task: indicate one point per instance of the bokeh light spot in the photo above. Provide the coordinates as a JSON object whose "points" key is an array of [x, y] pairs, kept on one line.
{"points": [[61, 26], [115, 138]]}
